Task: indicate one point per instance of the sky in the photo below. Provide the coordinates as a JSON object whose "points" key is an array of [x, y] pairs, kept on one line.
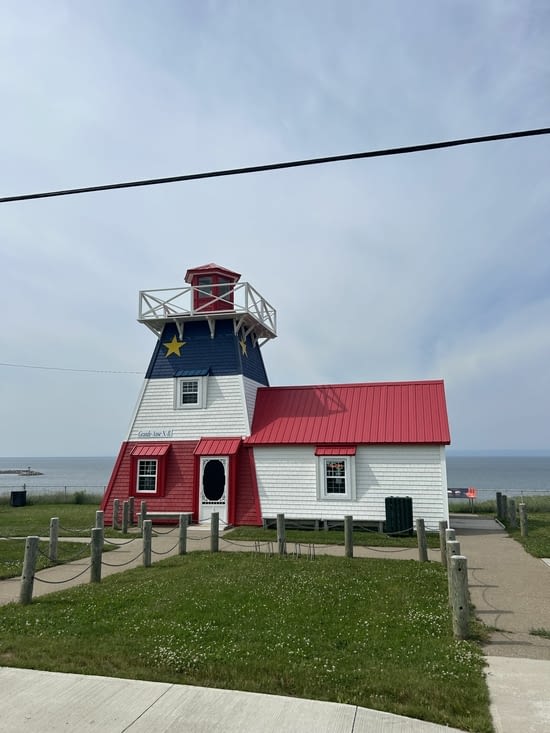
{"points": [[432, 265]]}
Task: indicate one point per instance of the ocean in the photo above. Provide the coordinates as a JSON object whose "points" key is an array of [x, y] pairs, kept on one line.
{"points": [[512, 474], [57, 474]]}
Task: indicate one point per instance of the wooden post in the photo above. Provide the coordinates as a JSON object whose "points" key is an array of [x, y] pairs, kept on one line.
{"points": [[499, 505], [54, 535], [100, 523], [512, 516], [182, 547], [453, 548], [442, 540], [214, 532], [96, 550], [142, 514], [421, 540], [29, 567], [504, 507], [116, 512], [147, 530], [450, 536], [348, 535], [131, 510], [125, 517], [281, 538], [524, 529], [459, 596]]}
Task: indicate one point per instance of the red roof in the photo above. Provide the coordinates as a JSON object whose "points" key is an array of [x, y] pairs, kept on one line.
{"points": [[150, 449], [217, 446], [329, 450], [210, 268], [344, 414]]}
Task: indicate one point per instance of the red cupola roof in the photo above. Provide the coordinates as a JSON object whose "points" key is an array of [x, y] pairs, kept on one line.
{"points": [[210, 269]]}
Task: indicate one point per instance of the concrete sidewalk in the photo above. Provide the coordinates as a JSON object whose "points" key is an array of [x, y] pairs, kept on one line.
{"points": [[40, 702], [510, 590]]}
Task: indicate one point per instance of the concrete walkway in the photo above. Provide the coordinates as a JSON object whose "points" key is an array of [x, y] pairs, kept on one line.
{"points": [[510, 590]]}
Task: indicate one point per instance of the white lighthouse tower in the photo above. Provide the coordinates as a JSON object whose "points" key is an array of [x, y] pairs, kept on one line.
{"points": [[184, 449]]}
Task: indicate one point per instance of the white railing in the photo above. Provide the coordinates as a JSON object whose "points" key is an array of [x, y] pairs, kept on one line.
{"points": [[156, 306]]}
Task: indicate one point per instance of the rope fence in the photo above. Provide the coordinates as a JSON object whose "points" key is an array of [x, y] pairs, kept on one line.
{"points": [[454, 563]]}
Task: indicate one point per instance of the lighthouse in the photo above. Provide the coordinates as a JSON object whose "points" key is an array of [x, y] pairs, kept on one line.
{"points": [[209, 434], [184, 449]]}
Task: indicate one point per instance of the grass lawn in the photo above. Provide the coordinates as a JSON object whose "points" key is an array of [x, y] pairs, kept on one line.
{"points": [[333, 537], [375, 633], [12, 553], [34, 519], [537, 542]]}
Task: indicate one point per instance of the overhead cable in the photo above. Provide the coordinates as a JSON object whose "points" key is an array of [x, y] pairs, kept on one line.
{"points": [[65, 369], [280, 166]]}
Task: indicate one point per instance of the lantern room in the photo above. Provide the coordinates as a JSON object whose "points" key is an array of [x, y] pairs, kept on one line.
{"points": [[213, 288]]}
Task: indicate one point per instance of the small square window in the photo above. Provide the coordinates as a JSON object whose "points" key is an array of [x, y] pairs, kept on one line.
{"points": [[190, 393]]}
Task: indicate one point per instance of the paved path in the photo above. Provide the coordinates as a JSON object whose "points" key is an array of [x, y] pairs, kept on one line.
{"points": [[510, 590]]}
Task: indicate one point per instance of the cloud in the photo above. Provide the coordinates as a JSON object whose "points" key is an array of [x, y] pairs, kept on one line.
{"points": [[421, 266]]}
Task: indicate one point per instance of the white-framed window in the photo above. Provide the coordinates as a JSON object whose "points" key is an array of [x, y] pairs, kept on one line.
{"points": [[190, 393], [336, 477], [146, 475]]}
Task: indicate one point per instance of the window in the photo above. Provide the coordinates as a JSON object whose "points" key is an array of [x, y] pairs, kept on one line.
{"points": [[190, 392], [336, 477], [147, 471], [205, 286], [148, 468]]}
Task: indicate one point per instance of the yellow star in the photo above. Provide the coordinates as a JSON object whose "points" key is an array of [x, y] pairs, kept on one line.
{"points": [[174, 346], [242, 342]]}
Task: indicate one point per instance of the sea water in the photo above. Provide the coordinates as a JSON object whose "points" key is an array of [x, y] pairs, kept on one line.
{"points": [[511, 474], [57, 474]]}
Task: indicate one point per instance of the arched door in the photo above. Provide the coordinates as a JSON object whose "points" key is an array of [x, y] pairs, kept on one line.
{"points": [[213, 487]]}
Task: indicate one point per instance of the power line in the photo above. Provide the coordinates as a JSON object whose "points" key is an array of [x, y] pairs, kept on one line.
{"points": [[281, 166], [66, 369]]}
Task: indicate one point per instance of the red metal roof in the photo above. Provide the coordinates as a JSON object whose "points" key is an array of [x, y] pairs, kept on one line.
{"points": [[390, 412], [211, 267], [150, 449], [330, 450], [217, 446]]}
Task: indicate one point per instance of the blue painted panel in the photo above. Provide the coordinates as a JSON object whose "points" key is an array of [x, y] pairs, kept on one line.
{"points": [[223, 355]]}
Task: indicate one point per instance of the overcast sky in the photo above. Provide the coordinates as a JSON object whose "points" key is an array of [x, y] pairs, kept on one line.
{"points": [[425, 266]]}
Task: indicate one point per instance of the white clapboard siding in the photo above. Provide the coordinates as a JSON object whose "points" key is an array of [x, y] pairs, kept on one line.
{"points": [[250, 391], [287, 483], [225, 413], [415, 471]]}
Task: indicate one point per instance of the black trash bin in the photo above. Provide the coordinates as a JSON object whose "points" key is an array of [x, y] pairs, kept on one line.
{"points": [[18, 498], [399, 515]]}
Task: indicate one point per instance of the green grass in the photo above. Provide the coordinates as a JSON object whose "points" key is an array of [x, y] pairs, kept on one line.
{"points": [[375, 633], [16, 523], [333, 537], [544, 633], [35, 519], [12, 553], [74, 520], [537, 542]]}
